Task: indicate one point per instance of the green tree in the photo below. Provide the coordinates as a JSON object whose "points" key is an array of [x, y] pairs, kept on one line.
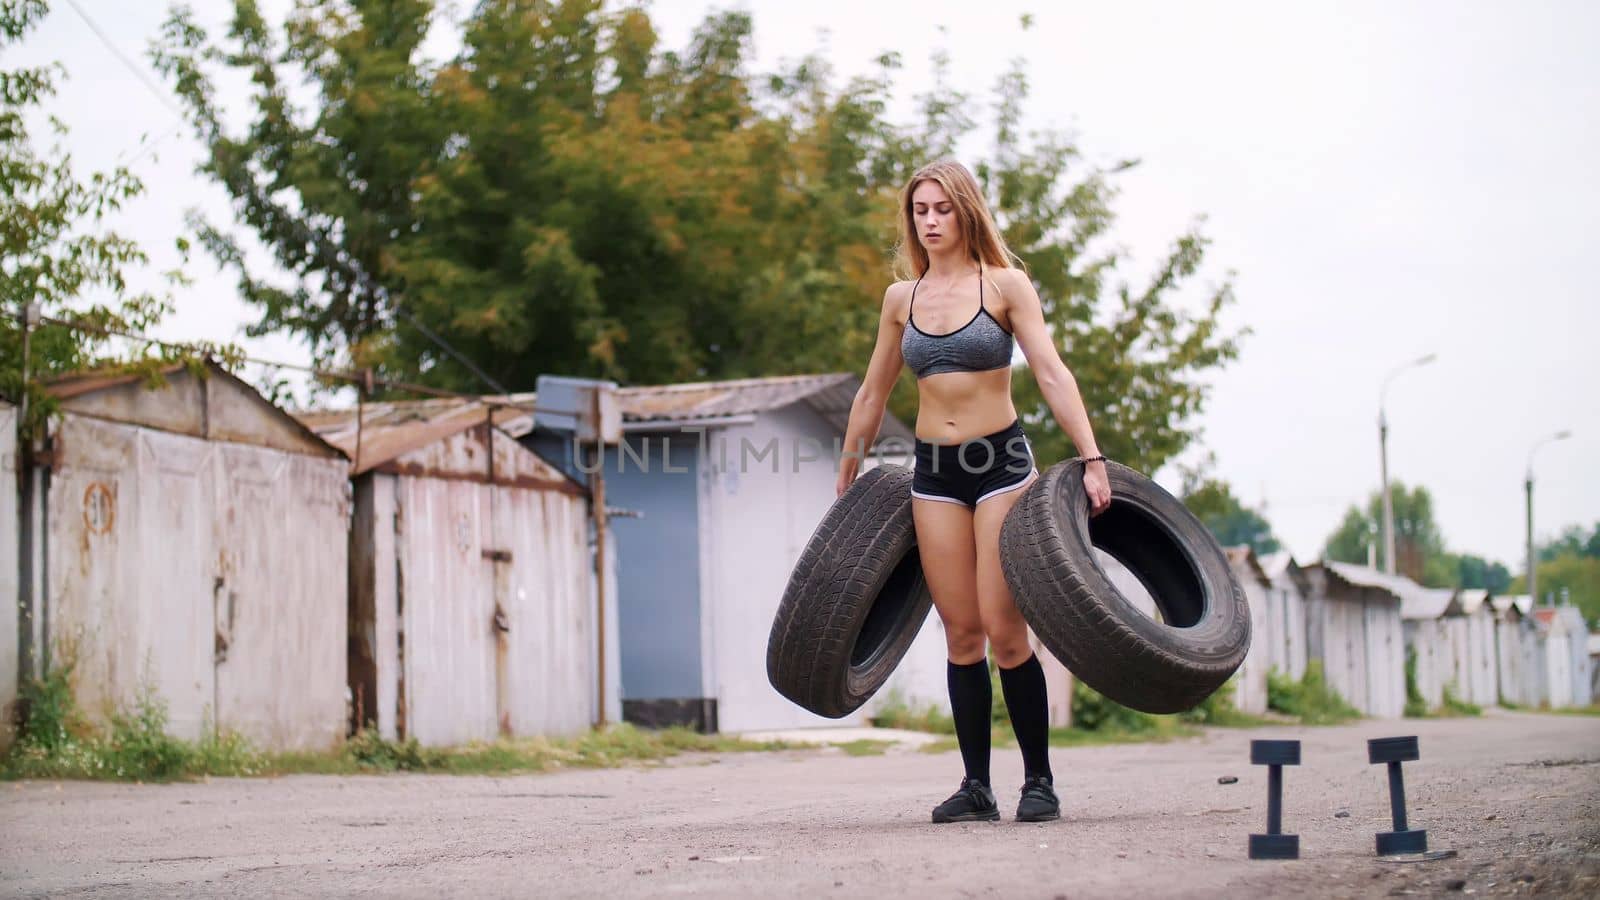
{"points": [[55, 248], [566, 195], [1419, 547], [1573, 541], [1232, 523], [1477, 572], [1569, 563]]}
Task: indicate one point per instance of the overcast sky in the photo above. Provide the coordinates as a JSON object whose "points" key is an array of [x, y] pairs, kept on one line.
{"points": [[1387, 180]]}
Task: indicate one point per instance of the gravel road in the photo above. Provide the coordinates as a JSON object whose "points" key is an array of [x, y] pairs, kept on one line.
{"points": [[1516, 795]]}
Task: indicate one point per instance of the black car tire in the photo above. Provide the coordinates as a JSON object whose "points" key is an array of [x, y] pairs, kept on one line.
{"points": [[1167, 666], [855, 600]]}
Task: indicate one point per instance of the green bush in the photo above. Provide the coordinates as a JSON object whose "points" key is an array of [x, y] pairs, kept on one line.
{"points": [[1092, 711], [1310, 699], [56, 740], [50, 717], [895, 713], [1416, 707], [370, 750], [1220, 710]]}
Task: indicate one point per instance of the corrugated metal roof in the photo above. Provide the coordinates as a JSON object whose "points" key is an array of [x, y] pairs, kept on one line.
{"points": [[1275, 564], [1471, 600], [1502, 603], [828, 395], [1243, 556], [392, 429], [1547, 616], [236, 412], [1416, 601], [710, 399], [69, 386]]}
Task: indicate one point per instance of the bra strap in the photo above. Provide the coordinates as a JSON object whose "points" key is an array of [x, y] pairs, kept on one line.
{"points": [[913, 306]]}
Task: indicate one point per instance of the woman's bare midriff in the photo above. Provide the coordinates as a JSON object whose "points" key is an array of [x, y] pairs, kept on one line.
{"points": [[957, 406]]}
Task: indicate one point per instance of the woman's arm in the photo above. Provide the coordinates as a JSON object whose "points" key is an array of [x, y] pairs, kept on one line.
{"points": [[1060, 389], [866, 410]]}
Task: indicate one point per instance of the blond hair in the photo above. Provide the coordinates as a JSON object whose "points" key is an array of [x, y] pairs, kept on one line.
{"points": [[978, 230]]}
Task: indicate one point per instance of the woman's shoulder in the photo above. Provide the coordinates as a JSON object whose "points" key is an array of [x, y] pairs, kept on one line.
{"points": [[898, 293], [1009, 282], [1008, 277]]}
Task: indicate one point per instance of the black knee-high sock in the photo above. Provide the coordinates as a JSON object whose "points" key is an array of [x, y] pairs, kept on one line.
{"points": [[1029, 707], [971, 704]]}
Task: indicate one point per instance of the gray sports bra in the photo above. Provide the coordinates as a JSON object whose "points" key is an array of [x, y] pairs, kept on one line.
{"points": [[978, 346]]}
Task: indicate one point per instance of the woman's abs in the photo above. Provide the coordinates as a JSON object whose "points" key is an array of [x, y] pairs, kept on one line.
{"points": [[957, 406]]}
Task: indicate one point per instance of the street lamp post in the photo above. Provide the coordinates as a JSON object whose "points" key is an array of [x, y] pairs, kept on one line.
{"points": [[1383, 459], [1533, 567]]}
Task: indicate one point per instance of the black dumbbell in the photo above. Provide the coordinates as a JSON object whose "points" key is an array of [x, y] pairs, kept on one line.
{"points": [[1275, 844], [1394, 751]]}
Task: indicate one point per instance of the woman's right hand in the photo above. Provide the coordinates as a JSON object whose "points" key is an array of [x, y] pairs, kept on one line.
{"points": [[848, 467]]}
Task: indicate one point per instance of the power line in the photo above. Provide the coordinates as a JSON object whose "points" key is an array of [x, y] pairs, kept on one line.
{"points": [[504, 401], [160, 95], [131, 65]]}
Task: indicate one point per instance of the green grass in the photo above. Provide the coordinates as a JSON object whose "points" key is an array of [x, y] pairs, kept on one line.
{"points": [[865, 747], [1165, 728], [57, 742], [1592, 710], [894, 713]]}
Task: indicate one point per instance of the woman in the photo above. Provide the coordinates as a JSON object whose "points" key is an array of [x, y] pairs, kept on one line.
{"points": [[954, 325]]}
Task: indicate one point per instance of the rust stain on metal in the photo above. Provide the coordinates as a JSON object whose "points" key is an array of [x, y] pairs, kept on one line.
{"points": [[99, 508]]}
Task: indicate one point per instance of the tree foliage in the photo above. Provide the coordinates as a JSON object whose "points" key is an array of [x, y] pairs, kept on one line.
{"points": [[1420, 552], [1570, 563], [1231, 522], [564, 194], [1418, 545], [1573, 541], [1477, 572], [55, 247]]}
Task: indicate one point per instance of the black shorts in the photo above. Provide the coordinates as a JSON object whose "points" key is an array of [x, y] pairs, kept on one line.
{"points": [[974, 470]]}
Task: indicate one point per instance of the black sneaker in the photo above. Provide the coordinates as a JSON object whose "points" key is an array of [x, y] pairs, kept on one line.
{"points": [[1039, 803], [974, 802]]}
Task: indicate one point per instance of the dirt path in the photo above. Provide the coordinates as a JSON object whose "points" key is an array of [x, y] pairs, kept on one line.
{"points": [[1517, 795]]}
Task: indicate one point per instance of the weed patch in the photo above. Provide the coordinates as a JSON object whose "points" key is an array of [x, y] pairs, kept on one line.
{"points": [[1311, 699]]}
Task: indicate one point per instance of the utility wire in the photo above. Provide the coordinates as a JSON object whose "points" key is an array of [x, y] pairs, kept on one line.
{"points": [[132, 66], [504, 401], [166, 101]]}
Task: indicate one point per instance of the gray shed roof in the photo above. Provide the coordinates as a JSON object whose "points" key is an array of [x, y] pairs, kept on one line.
{"points": [[1275, 564], [828, 395], [1415, 600], [205, 401], [666, 406], [1471, 600], [1243, 557], [1503, 603], [399, 435]]}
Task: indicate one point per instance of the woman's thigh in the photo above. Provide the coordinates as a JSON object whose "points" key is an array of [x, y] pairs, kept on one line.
{"points": [[944, 541], [1007, 630]]}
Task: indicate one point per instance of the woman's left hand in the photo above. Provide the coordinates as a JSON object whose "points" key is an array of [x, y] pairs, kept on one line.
{"points": [[1098, 486]]}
